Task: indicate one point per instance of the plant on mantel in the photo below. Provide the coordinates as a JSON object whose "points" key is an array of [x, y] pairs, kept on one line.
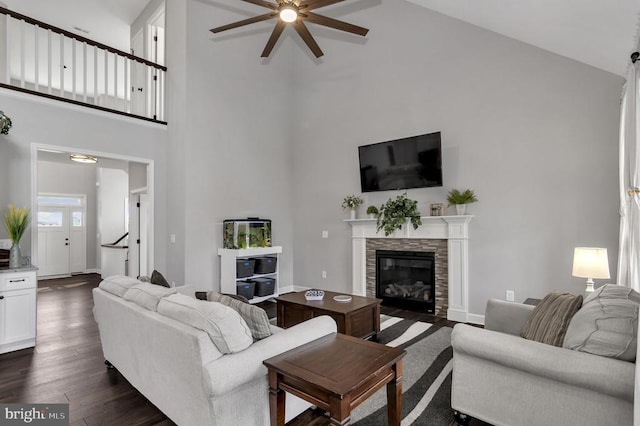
{"points": [[395, 213], [460, 199], [5, 124], [351, 202]]}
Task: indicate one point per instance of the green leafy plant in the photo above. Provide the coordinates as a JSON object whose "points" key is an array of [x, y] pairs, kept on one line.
{"points": [[16, 220], [5, 124], [352, 202], [394, 213], [373, 210], [457, 197]]}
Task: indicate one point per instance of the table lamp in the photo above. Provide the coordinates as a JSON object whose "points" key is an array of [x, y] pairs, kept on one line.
{"points": [[590, 263]]}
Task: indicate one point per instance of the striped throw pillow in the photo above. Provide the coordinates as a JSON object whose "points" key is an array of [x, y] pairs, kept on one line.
{"points": [[550, 319], [255, 317]]}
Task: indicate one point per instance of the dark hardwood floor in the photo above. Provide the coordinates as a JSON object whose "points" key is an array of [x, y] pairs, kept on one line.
{"points": [[67, 365]]}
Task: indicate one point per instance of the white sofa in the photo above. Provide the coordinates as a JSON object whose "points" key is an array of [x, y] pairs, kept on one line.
{"points": [[178, 368]]}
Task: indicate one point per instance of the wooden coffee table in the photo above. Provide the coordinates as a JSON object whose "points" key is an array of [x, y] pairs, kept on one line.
{"points": [[336, 373], [359, 318]]}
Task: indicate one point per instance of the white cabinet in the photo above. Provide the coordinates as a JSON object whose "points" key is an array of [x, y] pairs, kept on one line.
{"points": [[228, 275], [18, 290]]}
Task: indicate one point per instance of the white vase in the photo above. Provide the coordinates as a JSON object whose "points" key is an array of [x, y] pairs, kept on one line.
{"points": [[461, 209], [372, 216], [352, 214]]}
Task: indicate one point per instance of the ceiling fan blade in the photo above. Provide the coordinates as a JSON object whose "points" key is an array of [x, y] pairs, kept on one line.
{"points": [[263, 3], [316, 4], [334, 23], [275, 35], [253, 20], [302, 29]]}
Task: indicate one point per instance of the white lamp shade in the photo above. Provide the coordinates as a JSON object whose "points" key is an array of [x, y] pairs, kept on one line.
{"points": [[590, 262]]}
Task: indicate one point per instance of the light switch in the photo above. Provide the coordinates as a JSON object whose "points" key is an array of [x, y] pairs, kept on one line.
{"points": [[325, 234]]}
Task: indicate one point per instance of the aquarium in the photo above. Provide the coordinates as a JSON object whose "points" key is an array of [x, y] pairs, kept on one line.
{"points": [[246, 233]]}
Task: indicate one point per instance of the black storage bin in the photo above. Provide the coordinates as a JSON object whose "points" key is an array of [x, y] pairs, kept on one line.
{"points": [[246, 289], [264, 286], [266, 265], [244, 267]]}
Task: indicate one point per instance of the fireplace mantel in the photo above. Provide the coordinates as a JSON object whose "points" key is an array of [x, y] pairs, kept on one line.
{"points": [[454, 229]]}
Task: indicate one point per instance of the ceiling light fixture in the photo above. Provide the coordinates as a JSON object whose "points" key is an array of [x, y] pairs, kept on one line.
{"points": [[81, 158], [289, 12]]}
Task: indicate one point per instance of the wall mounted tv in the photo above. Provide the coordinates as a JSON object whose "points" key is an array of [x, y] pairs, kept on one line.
{"points": [[414, 162]]}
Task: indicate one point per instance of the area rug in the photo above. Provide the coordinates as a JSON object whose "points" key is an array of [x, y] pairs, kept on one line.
{"points": [[426, 382]]}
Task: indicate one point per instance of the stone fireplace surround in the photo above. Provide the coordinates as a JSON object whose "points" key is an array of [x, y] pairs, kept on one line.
{"points": [[453, 229], [436, 246]]}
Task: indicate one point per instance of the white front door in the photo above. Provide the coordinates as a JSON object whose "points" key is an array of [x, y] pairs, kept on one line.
{"points": [[53, 241], [62, 240]]}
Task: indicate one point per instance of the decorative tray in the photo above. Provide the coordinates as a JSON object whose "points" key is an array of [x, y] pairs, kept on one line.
{"points": [[314, 295]]}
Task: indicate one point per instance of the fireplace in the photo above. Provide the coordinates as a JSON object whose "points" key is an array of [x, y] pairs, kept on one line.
{"points": [[406, 279]]}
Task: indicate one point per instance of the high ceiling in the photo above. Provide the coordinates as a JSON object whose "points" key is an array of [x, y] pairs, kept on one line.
{"points": [[601, 33], [107, 21]]}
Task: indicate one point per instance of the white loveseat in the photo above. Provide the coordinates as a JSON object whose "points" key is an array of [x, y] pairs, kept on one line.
{"points": [[180, 370]]}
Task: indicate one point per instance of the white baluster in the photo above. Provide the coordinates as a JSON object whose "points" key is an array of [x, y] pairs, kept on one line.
{"points": [[37, 59]]}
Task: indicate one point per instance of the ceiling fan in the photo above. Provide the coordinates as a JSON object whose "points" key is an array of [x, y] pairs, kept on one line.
{"points": [[295, 12]]}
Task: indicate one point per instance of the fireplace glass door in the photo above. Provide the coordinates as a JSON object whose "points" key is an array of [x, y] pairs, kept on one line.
{"points": [[406, 279]]}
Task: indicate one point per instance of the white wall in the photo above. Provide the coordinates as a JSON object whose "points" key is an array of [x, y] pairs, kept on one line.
{"points": [[74, 178], [533, 133], [41, 121], [230, 154]]}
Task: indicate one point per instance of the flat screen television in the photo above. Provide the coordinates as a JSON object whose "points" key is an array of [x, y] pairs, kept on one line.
{"points": [[414, 162]]}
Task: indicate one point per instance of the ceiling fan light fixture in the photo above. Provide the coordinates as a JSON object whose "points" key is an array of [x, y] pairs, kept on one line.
{"points": [[289, 13], [81, 158]]}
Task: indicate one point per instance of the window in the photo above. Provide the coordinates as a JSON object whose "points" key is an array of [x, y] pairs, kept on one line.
{"points": [[60, 200], [50, 219], [76, 219]]}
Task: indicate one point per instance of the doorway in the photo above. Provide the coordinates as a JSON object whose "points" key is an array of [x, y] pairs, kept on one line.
{"points": [[62, 234], [54, 175]]}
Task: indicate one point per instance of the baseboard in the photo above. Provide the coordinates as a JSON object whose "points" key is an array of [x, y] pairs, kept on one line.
{"points": [[291, 289], [93, 271], [475, 319], [53, 277]]}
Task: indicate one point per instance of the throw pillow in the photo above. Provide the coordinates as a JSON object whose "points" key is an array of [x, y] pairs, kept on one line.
{"points": [[118, 284], [157, 278], [225, 327], [256, 318], [607, 324], [549, 320], [147, 295]]}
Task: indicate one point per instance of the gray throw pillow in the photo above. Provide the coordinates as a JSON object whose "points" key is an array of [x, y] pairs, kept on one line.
{"points": [[549, 320], [607, 324], [255, 317], [157, 278]]}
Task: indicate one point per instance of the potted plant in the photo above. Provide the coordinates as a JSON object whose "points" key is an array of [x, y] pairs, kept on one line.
{"points": [[16, 221], [373, 212], [395, 213], [460, 199], [5, 124], [352, 202]]}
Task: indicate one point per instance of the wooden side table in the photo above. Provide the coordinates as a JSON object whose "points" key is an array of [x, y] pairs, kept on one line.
{"points": [[336, 373], [359, 318]]}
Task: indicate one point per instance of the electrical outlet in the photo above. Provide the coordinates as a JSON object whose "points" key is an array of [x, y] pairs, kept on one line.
{"points": [[173, 238], [325, 234], [511, 296], [324, 274]]}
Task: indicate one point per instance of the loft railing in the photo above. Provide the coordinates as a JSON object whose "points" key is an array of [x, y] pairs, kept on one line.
{"points": [[41, 59]]}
